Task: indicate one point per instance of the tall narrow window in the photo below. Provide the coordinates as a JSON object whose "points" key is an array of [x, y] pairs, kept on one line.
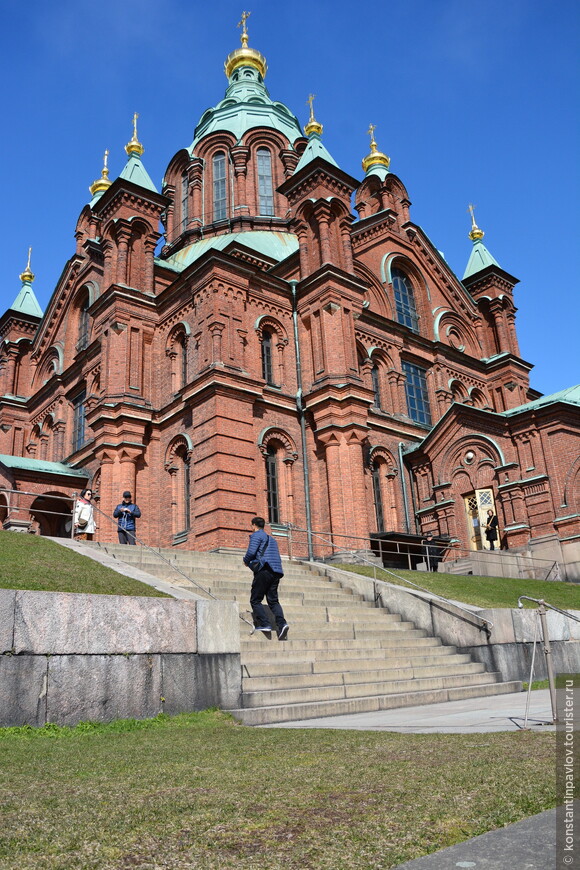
{"points": [[182, 345], [265, 193], [219, 187], [272, 485], [186, 495], [84, 323], [267, 368], [379, 513], [78, 438], [417, 394], [404, 300], [376, 385], [184, 200]]}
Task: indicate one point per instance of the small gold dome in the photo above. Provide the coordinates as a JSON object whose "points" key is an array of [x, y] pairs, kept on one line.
{"points": [[102, 183], [27, 277], [245, 56], [312, 126], [376, 157], [475, 233], [134, 146]]}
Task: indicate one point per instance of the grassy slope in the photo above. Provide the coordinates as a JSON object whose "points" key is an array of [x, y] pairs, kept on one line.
{"points": [[32, 562], [482, 591], [198, 791]]}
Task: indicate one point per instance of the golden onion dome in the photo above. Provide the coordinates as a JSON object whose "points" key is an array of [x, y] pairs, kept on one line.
{"points": [[101, 184], [475, 233], [27, 277], [312, 126], [376, 157], [245, 56], [134, 146]]}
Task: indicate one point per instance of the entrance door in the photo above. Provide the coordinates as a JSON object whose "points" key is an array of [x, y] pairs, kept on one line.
{"points": [[476, 507]]}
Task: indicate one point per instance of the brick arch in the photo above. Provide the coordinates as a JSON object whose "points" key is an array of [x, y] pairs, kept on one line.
{"points": [[458, 390], [452, 330], [487, 448], [572, 487], [274, 434], [377, 453], [378, 300], [179, 443], [479, 398], [266, 321], [50, 364]]}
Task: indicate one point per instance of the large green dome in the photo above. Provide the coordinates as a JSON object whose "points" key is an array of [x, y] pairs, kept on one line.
{"points": [[246, 105]]}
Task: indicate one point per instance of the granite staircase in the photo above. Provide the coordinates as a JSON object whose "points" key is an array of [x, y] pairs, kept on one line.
{"points": [[343, 655]]}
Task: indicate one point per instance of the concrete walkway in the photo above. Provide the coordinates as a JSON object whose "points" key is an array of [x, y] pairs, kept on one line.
{"points": [[473, 715], [526, 845]]}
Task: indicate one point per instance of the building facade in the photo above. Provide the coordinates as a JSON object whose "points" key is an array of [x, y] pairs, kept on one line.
{"points": [[289, 344]]}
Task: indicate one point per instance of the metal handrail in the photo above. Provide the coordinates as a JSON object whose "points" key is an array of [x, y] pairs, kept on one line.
{"points": [[488, 623]]}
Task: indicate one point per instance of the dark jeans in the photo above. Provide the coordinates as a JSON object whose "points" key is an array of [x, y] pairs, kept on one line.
{"points": [[266, 583], [125, 536]]}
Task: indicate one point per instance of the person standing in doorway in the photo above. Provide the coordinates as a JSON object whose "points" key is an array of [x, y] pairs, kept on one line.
{"points": [[491, 529], [126, 513], [263, 558], [84, 519]]}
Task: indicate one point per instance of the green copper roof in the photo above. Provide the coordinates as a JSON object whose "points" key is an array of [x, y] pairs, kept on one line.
{"points": [[135, 172], [314, 149], [570, 396], [26, 302], [378, 169], [24, 463], [247, 104], [274, 245], [480, 259]]}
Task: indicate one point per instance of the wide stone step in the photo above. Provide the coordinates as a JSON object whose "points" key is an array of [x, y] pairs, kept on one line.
{"points": [[365, 675], [270, 669], [333, 690], [389, 640], [339, 707]]}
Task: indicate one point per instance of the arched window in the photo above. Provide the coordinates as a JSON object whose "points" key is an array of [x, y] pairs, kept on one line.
{"points": [[272, 487], [265, 192], [219, 187], [84, 323], [378, 498], [184, 200], [178, 464], [376, 385], [182, 345], [404, 300], [267, 368]]}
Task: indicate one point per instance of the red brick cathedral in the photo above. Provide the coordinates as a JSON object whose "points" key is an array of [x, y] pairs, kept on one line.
{"points": [[291, 344]]}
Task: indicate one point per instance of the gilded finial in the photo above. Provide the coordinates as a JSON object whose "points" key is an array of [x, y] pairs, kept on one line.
{"points": [[102, 183], [475, 233], [134, 146], [312, 126], [27, 277], [244, 26], [245, 56], [376, 157]]}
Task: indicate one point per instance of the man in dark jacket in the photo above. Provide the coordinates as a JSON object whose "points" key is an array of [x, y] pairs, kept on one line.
{"points": [[263, 557], [126, 513]]}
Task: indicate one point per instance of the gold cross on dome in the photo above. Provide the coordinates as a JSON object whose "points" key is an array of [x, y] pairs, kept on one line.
{"points": [[371, 131], [135, 116], [29, 255], [470, 209], [105, 158], [310, 102], [244, 26]]}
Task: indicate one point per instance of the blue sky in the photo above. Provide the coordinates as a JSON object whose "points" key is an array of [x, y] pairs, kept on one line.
{"points": [[473, 103]]}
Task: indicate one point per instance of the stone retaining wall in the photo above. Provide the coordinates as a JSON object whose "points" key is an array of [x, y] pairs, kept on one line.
{"points": [[67, 657]]}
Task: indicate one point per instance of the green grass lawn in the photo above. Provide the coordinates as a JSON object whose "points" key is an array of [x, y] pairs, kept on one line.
{"points": [[32, 562], [481, 591], [199, 791]]}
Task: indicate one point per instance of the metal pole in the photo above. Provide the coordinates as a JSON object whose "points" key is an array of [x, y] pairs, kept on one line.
{"points": [[302, 421], [548, 654], [290, 541]]}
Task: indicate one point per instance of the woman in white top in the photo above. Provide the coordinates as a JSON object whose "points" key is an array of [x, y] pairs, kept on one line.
{"points": [[84, 520]]}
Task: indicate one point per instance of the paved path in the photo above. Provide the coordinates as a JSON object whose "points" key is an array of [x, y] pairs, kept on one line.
{"points": [[473, 715], [526, 845]]}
